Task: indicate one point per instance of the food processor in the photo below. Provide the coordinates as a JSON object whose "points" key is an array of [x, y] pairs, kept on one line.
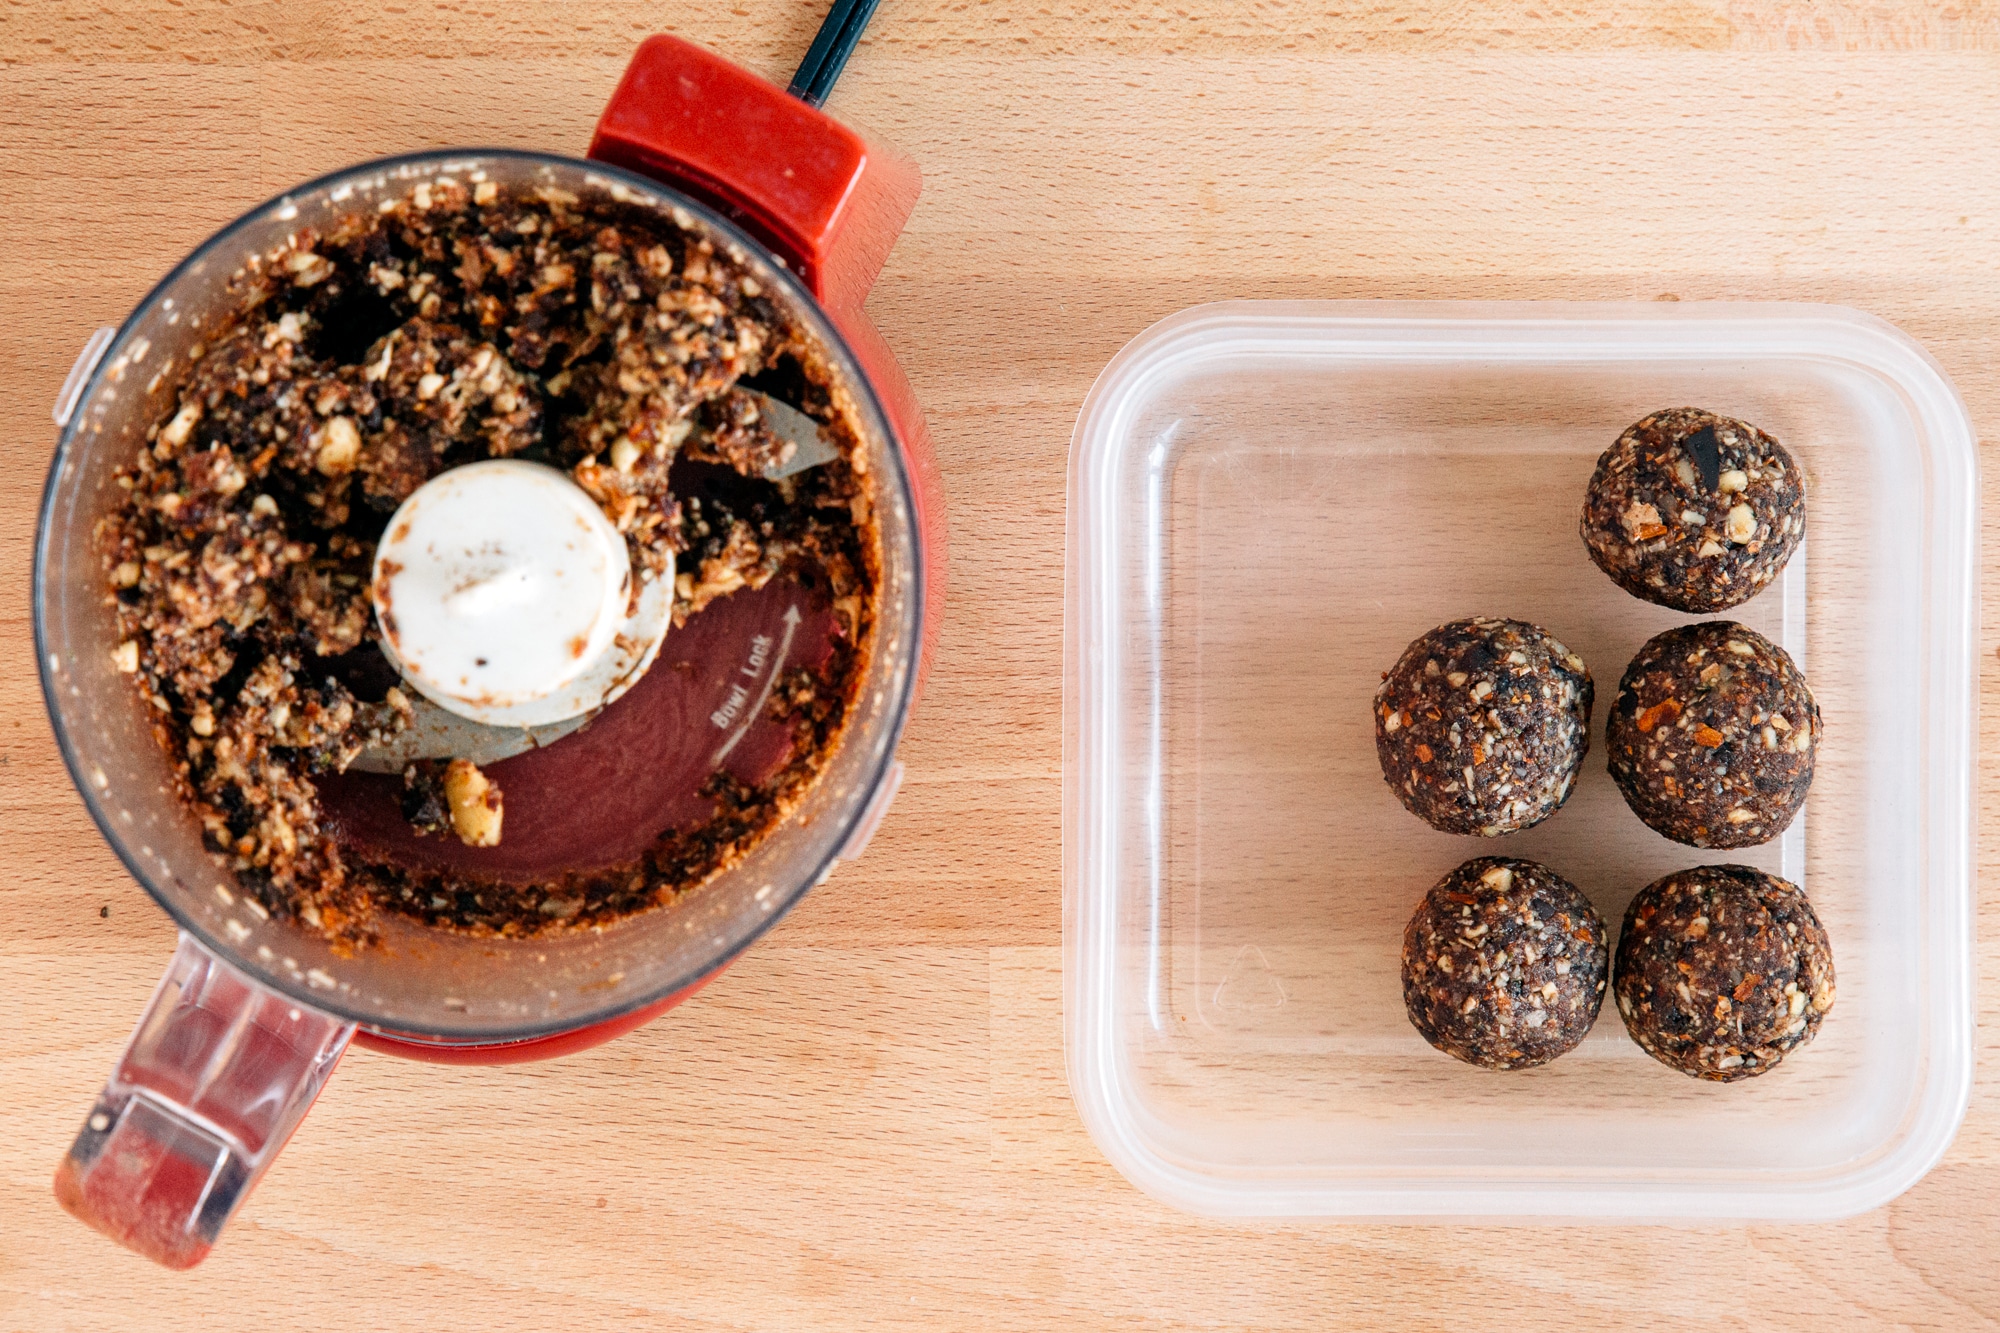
{"points": [[254, 1013]]}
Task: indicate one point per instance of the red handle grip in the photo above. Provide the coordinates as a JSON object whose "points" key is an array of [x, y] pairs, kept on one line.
{"points": [[812, 189], [217, 1077]]}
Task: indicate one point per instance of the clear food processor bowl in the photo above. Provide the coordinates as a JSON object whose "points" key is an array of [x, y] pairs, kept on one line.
{"points": [[420, 983]]}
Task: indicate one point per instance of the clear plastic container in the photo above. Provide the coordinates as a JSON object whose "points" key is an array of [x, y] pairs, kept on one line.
{"points": [[1266, 503]]}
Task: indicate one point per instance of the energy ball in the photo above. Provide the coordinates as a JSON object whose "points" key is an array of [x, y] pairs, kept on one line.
{"points": [[1504, 964], [1722, 971], [1482, 726], [1712, 736], [1693, 510]]}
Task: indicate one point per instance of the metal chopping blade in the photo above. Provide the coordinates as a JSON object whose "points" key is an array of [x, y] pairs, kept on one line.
{"points": [[810, 445], [436, 733]]}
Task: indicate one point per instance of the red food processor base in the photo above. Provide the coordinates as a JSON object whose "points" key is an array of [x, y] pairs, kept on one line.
{"points": [[534, 1048]]}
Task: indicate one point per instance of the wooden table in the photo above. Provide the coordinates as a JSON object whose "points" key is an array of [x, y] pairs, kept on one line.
{"points": [[866, 1123]]}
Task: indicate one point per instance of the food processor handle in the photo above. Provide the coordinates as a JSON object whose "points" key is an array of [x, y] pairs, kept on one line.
{"points": [[827, 201], [217, 1076]]}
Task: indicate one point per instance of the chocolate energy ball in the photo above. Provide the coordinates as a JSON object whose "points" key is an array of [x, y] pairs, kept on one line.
{"points": [[1482, 726], [1712, 735], [1693, 510], [1722, 971], [1504, 964]]}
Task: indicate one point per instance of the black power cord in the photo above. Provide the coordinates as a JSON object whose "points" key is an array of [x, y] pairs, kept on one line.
{"points": [[828, 55]]}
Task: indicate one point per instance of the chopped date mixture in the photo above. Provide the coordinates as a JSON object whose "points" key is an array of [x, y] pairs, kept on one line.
{"points": [[464, 321]]}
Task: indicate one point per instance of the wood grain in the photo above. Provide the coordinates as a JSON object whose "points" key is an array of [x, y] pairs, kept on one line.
{"points": [[866, 1123]]}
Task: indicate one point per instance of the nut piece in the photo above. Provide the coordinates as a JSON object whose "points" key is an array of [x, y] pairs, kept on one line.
{"points": [[1742, 524], [1642, 522], [175, 433], [475, 804], [307, 269], [1664, 711], [126, 656], [339, 447]]}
